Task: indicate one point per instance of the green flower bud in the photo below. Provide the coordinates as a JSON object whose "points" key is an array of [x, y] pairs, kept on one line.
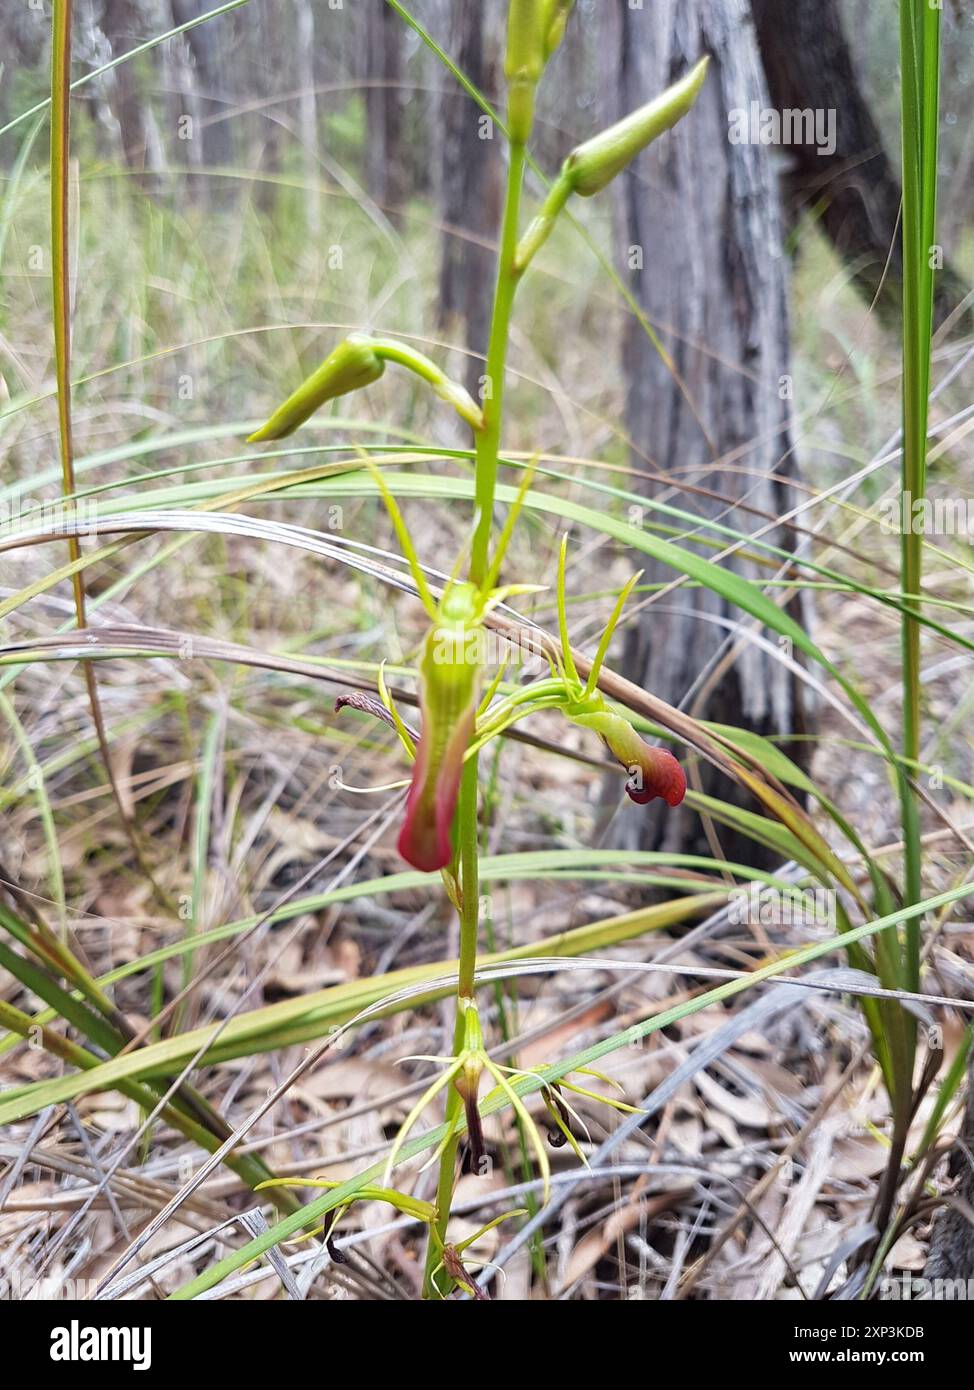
{"points": [[352, 364], [356, 362], [555, 19], [523, 64], [526, 24], [596, 162]]}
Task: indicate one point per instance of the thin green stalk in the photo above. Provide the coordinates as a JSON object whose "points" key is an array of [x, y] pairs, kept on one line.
{"points": [[919, 57], [488, 439], [61, 297], [505, 1001], [919, 100], [468, 834], [467, 837], [486, 460]]}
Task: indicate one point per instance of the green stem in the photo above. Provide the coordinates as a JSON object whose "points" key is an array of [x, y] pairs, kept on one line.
{"points": [[467, 828], [467, 835], [487, 450], [919, 99], [541, 225], [919, 52], [488, 439]]}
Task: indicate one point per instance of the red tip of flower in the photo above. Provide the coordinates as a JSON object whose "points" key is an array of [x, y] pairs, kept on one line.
{"points": [[657, 774], [425, 846], [424, 840]]}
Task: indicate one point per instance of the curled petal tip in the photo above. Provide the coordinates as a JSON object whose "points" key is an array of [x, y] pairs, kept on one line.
{"points": [[656, 774], [652, 771]]}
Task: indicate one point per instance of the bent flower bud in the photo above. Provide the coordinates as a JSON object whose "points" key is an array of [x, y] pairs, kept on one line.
{"points": [[652, 771], [353, 364]]}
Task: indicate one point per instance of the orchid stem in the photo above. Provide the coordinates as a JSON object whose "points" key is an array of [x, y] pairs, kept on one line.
{"points": [[468, 834], [437, 1282], [488, 439]]}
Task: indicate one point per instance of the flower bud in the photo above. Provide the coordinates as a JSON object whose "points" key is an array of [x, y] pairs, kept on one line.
{"points": [[449, 679], [523, 64], [467, 1084], [652, 771], [553, 25], [351, 365], [526, 24], [596, 162]]}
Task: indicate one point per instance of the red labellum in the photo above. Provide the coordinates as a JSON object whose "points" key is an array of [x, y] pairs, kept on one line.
{"points": [[653, 772], [448, 700], [424, 840], [657, 774]]}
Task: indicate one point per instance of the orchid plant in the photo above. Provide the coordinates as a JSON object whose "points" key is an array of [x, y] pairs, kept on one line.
{"points": [[461, 709]]}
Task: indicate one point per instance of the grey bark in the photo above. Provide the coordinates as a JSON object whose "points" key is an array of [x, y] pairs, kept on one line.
{"points": [[383, 106], [471, 191], [208, 46], [704, 216], [128, 103], [854, 189]]}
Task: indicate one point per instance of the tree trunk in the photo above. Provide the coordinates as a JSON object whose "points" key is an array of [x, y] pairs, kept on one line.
{"points": [[701, 247], [127, 101], [208, 44], [308, 111], [853, 188], [471, 191], [383, 106]]}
